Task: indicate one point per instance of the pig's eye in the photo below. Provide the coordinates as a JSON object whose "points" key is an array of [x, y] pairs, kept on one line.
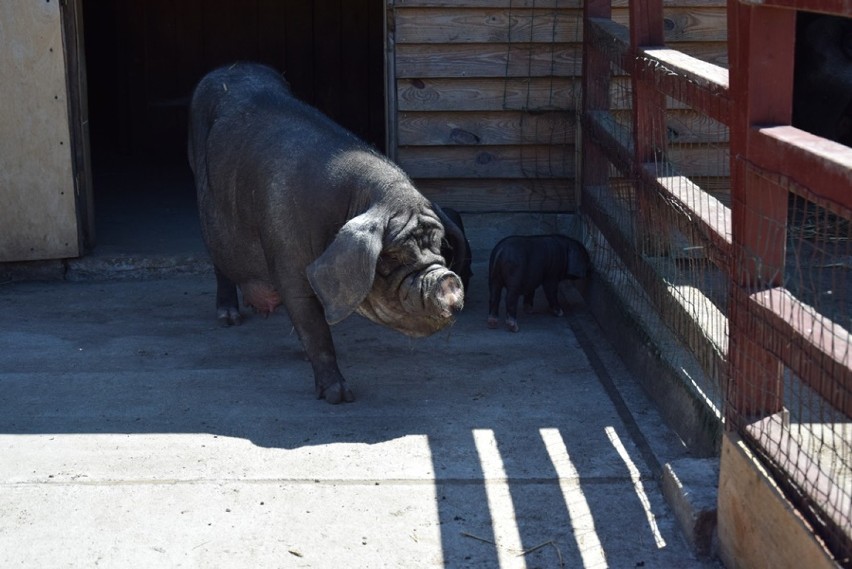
{"points": [[389, 261], [429, 242], [384, 265]]}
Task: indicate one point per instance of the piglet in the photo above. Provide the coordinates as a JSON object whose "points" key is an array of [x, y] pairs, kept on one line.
{"points": [[522, 263]]}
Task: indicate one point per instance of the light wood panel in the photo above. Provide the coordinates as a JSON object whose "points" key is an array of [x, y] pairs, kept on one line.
{"points": [[38, 216]]}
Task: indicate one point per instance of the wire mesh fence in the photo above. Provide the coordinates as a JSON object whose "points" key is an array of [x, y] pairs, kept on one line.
{"points": [[660, 232]]}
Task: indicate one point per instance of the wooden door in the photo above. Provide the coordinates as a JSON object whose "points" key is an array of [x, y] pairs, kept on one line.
{"points": [[38, 195]]}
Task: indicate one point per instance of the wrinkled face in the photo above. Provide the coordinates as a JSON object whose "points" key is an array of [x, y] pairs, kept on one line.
{"points": [[413, 290]]}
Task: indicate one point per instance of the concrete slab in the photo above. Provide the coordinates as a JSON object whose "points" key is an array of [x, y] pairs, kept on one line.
{"points": [[136, 433]]}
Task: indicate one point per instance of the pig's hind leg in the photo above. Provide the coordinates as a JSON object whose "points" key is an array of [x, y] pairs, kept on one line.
{"points": [[513, 295], [227, 302], [495, 291], [529, 301], [551, 292]]}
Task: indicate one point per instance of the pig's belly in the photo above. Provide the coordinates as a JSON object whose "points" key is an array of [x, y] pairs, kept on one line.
{"points": [[247, 268]]}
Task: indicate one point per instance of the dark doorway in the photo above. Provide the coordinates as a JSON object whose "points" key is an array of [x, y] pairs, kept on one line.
{"points": [[143, 59]]}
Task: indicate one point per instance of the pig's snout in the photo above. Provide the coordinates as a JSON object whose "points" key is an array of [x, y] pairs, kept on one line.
{"points": [[436, 290], [450, 294]]}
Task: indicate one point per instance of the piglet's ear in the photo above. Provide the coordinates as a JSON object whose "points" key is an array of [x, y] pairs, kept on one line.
{"points": [[343, 275]]}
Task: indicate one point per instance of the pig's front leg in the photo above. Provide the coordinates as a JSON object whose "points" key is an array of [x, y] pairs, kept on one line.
{"points": [[227, 302], [308, 317]]}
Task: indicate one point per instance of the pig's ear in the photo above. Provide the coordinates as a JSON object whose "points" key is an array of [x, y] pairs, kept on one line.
{"points": [[343, 275]]}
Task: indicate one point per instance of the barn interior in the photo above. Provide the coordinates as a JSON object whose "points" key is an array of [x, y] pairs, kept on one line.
{"points": [[143, 59]]}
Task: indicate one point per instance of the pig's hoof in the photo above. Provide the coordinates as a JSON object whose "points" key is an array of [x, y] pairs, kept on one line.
{"points": [[558, 312], [336, 393], [512, 325], [229, 316], [492, 322]]}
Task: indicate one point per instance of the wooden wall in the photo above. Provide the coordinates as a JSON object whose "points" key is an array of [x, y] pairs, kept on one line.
{"points": [[483, 93]]}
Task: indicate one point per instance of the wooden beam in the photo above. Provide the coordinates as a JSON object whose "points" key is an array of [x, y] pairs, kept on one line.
{"points": [[789, 151], [835, 7], [811, 345], [692, 81], [761, 84], [597, 84]]}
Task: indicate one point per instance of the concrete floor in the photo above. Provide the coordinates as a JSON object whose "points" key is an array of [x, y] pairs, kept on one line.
{"points": [[136, 433]]}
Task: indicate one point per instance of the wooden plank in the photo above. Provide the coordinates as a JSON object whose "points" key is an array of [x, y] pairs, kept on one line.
{"points": [[835, 7], [486, 128], [757, 525], [490, 94], [702, 218], [487, 25], [528, 4], [686, 24], [785, 446], [519, 4], [542, 161], [501, 195], [501, 25], [487, 94], [487, 60], [686, 126], [38, 214], [789, 151], [78, 109], [811, 345], [715, 53]]}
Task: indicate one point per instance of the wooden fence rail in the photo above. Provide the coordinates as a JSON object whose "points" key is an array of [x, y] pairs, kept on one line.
{"points": [[770, 160]]}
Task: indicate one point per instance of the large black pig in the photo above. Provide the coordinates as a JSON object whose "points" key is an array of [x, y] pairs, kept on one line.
{"points": [[296, 210], [522, 263]]}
